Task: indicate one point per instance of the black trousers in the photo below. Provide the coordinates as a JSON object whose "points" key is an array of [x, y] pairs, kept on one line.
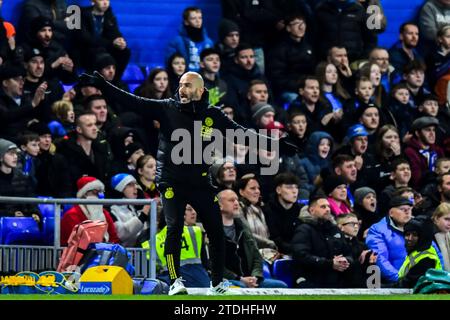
{"points": [[205, 203]]}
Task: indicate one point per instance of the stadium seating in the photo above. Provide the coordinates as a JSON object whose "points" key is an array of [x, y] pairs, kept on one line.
{"points": [[25, 231], [282, 270], [266, 270]]}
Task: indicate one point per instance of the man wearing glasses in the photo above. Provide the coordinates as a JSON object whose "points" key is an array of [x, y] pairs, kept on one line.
{"points": [[387, 240]]}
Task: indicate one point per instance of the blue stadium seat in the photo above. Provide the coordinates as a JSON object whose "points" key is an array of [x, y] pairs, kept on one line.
{"points": [[20, 230], [282, 270], [48, 231], [266, 270], [133, 74]]}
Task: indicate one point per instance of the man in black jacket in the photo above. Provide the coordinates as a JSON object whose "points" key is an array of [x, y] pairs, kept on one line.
{"points": [[182, 179], [84, 153], [290, 59], [16, 109], [343, 23], [100, 33], [282, 211], [320, 253]]}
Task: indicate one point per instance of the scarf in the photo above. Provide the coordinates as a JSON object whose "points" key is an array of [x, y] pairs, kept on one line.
{"points": [[431, 157]]}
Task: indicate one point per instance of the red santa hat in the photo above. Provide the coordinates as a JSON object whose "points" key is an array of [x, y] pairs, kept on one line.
{"points": [[86, 183]]}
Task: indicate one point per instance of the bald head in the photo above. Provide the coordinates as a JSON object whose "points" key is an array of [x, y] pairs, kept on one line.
{"points": [[191, 87], [228, 202]]}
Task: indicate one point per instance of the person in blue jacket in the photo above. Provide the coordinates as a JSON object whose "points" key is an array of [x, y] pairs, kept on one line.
{"points": [[191, 40], [387, 239]]}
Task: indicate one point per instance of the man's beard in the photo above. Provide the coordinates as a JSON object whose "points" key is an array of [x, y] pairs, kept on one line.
{"points": [[93, 212]]}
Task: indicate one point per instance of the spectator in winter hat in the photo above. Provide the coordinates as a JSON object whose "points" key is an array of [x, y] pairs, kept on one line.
{"points": [[367, 209], [223, 172], [262, 114], [335, 187], [13, 183], [421, 150], [88, 188], [129, 220]]}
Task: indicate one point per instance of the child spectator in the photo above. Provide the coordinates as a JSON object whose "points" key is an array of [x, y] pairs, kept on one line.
{"points": [[146, 172], [441, 219], [400, 177], [29, 144], [13, 183], [363, 94], [128, 220], [350, 226], [317, 155], [192, 39], [366, 208], [400, 108], [209, 69], [65, 119]]}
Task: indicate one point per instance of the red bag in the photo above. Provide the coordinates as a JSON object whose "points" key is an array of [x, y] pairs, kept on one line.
{"points": [[82, 235]]}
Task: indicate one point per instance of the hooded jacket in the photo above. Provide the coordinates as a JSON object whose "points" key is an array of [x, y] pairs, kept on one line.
{"points": [[312, 162], [414, 265], [185, 46]]}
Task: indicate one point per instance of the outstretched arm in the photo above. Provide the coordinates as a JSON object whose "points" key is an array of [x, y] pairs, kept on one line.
{"points": [[128, 100]]}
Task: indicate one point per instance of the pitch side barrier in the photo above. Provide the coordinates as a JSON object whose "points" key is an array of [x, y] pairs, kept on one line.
{"points": [[28, 257]]}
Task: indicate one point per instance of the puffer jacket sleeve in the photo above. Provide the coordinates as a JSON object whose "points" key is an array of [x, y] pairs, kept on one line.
{"points": [[376, 242]]}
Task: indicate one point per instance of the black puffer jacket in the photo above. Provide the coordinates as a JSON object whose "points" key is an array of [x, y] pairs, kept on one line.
{"points": [[345, 27], [80, 164], [287, 62], [281, 223], [14, 118], [314, 245]]}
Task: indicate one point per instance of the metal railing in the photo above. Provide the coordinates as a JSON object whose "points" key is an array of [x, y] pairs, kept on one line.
{"points": [[22, 256]]}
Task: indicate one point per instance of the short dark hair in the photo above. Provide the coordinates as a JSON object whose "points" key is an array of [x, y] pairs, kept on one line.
{"points": [[303, 79], [340, 159], [414, 65], [440, 179], [207, 52], [189, 10], [241, 184], [294, 114], [407, 23], [361, 79], [396, 162], [316, 196], [399, 86], [87, 101], [294, 16], [27, 136], [285, 178], [241, 47]]}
